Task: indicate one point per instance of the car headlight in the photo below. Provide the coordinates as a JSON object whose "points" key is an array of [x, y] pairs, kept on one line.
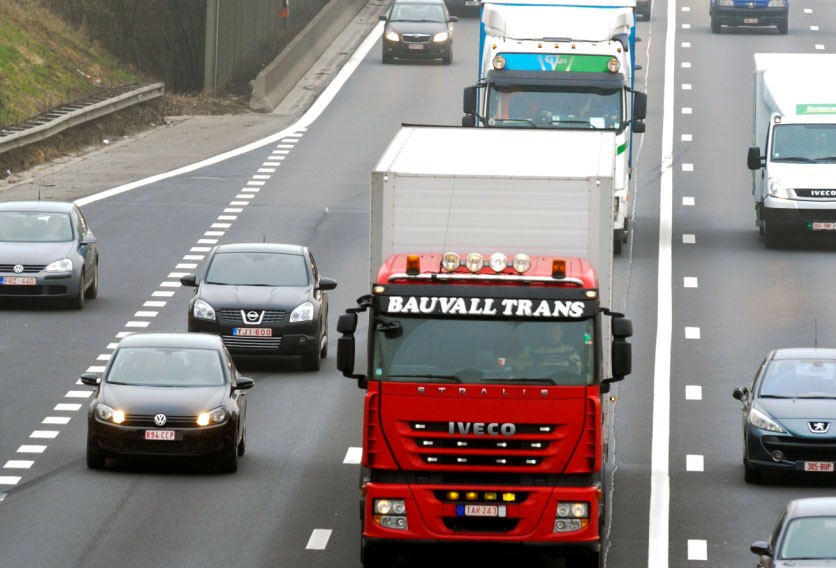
{"points": [[215, 416], [441, 37], [202, 310], [777, 189], [63, 265], [303, 312], [108, 414], [392, 36], [763, 421]]}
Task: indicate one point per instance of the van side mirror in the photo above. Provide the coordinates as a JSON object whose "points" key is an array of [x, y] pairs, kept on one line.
{"points": [[469, 100], [754, 159], [639, 106], [639, 127]]}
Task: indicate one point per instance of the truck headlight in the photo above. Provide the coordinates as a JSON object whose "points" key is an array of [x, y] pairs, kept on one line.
{"points": [[302, 312], [390, 513], [763, 421], [441, 37], [571, 516], [777, 189], [202, 310]]}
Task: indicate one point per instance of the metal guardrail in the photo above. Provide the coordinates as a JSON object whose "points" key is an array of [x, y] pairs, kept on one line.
{"points": [[56, 120]]}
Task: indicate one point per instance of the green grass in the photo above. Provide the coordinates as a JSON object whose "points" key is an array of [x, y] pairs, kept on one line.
{"points": [[44, 63]]}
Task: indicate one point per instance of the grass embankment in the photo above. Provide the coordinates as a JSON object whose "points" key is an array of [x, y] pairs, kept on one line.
{"points": [[44, 63]]}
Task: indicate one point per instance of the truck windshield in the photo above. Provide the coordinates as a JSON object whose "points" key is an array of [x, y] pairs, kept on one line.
{"points": [[536, 107], [804, 143], [484, 351]]}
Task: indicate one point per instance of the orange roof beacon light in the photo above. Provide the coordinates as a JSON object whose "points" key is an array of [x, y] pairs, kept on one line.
{"points": [[558, 268], [413, 265]]}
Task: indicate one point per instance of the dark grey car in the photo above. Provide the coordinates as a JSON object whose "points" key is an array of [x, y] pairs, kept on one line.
{"points": [[804, 536], [263, 299], [47, 250], [418, 29], [789, 414]]}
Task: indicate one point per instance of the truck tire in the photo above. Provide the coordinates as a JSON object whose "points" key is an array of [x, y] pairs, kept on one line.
{"points": [[370, 556], [771, 237], [784, 27], [715, 26], [616, 245], [591, 560]]}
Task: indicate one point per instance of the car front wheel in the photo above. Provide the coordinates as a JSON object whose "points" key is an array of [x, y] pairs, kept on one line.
{"points": [[77, 302]]}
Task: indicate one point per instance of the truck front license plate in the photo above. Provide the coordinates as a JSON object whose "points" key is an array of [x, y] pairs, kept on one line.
{"points": [[826, 467], [481, 510], [750, 20], [824, 226]]}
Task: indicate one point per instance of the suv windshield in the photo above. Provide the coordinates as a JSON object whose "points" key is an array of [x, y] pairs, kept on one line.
{"points": [[484, 351], [257, 269]]}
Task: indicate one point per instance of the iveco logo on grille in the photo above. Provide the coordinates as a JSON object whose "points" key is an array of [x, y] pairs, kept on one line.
{"points": [[482, 428], [818, 427], [18, 268], [160, 419]]}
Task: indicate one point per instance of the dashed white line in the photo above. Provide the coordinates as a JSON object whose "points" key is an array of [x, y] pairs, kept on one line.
{"points": [[111, 345], [143, 314], [103, 357], [686, 86], [693, 392], [697, 550], [319, 539], [256, 183], [245, 196], [9, 480], [170, 284], [692, 333], [266, 170], [154, 304], [138, 324], [158, 294], [686, 26], [686, 64], [694, 463], [814, 28], [19, 464], [66, 406], [688, 201], [123, 334], [686, 44], [239, 203], [56, 420], [79, 394], [690, 282], [808, 11], [687, 167], [687, 110], [31, 449], [819, 46], [353, 456], [687, 137], [196, 256], [208, 241], [214, 233], [44, 434], [689, 239]]}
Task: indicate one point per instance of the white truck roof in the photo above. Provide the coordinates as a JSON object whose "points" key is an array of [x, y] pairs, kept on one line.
{"points": [[791, 87], [535, 22], [590, 3]]}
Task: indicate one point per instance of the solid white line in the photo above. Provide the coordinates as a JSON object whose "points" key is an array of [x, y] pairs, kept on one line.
{"points": [[697, 550], [65, 406], [353, 456], [693, 392], [19, 464], [694, 462], [659, 507], [31, 449], [319, 539]]}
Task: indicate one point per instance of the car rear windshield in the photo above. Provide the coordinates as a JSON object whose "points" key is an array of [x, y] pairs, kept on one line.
{"points": [[166, 367], [257, 269], [35, 227]]}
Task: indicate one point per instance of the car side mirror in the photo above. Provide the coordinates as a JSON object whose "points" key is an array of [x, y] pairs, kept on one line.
{"points": [[244, 383], [453, 19], [188, 280], [740, 393], [327, 283], [91, 379], [88, 240], [754, 159], [761, 548]]}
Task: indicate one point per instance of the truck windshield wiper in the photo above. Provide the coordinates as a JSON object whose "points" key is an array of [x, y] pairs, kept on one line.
{"points": [[451, 378], [795, 159], [826, 159]]}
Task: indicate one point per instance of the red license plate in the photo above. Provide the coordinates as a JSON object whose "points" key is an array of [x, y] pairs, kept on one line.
{"points": [[416, 46], [18, 281], [826, 467], [160, 435], [484, 511], [824, 226], [253, 331]]}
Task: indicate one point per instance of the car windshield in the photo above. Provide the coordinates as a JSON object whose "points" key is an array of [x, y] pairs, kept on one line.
{"points": [[535, 107], [166, 367], [809, 538], [404, 12], [257, 269], [804, 143], [813, 378], [484, 351], [35, 227]]}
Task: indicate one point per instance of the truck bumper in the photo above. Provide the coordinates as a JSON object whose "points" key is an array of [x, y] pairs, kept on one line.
{"points": [[790, 216], [432, 518], [733, 16]]}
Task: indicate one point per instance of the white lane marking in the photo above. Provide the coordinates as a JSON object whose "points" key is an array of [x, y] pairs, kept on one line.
{"points": [[207, 241], [688, 201], [158, 294], [9, 480], [78, 394], [808, 11], [273, 165], [690, 282], [66, 406], [251, 189], [170, 285], [319, 539], [686, 137], [279, 154], [694, 462], [103, 357], [154, 304], [814, 28], [287, 146], [139, 324], [819, 46], [234, 210], [112, 345], [199, 249], [693, 392], [687, 110], [95, 369], [686, 26], [261, 176], [221, 225], [686, 86], [686, 64], [185, 266], [122, 334], [687, 167], [686, 44], [56, 420], [692, 333], [19, 464], [239, 203], [658, 529], [689, 239], [354, 455], [214, 233], [196, 256], [686, 8], [244, 196], [267, 171], [144, 314], [256, 183], [227, 218], [44, 434], [697, 550], [31, 449]]}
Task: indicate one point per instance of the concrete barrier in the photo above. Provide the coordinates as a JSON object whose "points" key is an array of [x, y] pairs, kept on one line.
{"points": [[277, 79]]}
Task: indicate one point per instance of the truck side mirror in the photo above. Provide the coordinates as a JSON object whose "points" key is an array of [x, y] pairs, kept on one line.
{"points": [[754, 159], [347, 323], [622, 327], [469, 100], [345, 355], [469, 121], [639, 106], [622, 351], [639, 127]]}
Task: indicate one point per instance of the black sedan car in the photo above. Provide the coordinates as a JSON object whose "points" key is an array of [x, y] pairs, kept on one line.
{"points": [[166, 395], [788, 413], [47, 251], [804, 536], [418, 29], [263, 299]]}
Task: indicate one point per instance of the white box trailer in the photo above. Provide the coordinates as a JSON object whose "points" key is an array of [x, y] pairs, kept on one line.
{"points": [[541, 192], [794, 171]]}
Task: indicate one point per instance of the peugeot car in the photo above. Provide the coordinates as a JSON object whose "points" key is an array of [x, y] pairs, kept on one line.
{"points": [[418, 29], [263, 299], [789, 414], [167, 395], [47, 251]]}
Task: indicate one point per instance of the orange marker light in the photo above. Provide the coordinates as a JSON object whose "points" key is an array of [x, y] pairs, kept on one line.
{"points": [[413, 264], [558, 268]]}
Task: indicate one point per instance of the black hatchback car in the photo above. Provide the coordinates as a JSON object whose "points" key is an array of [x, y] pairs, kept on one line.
{"points": [[418, 29], [789, 413], [166, 395], [263, 299]]}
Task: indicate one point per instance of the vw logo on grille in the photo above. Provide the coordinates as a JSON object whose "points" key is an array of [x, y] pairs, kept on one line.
{"points": [[160, 419], [818, 427], [252, 316], [18, 268]]}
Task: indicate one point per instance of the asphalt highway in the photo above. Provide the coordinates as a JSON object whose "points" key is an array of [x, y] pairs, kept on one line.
{"points": [[707, 300]]}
